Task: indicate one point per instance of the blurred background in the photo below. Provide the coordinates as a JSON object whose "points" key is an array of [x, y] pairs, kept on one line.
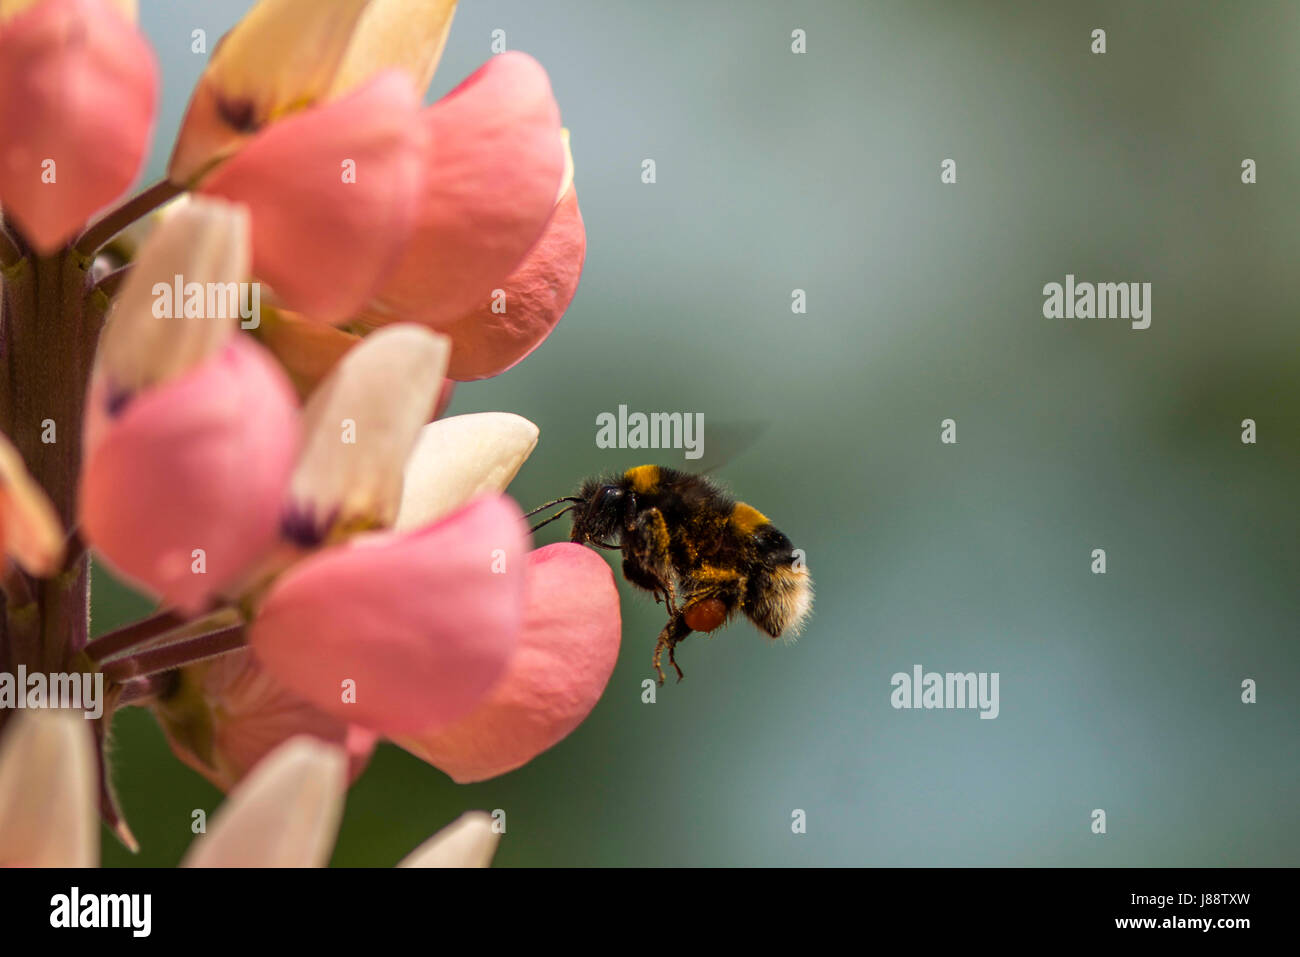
{"points": [[820, 172]]}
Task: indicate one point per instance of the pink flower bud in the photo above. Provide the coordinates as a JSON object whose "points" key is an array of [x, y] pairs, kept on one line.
{"points": [[401, 632], [567, 651], [333, 193], [491, 339], [494, 165], [183, 482], [78, 89]]}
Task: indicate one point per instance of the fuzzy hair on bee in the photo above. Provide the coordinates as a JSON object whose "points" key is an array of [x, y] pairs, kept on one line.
{"points": [[707, 556]]}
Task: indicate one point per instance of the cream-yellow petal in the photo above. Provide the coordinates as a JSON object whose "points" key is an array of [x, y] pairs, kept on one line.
{"points": [[459, 458], [285, 813], [407, 34], [567, 179], [287, 55], [360, 426], [147, 338], [29, 526], [282, 56], [468, 841], [48, 815]]}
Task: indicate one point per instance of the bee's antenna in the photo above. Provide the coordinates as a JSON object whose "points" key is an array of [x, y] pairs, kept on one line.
{"points": [[562, 512], [540, 508]]}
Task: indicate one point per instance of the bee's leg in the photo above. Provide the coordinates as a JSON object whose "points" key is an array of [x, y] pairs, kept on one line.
{"points": [[670, 596], [673, 632], [663, 592], [643, 577], [672, 660], [647, 561]]}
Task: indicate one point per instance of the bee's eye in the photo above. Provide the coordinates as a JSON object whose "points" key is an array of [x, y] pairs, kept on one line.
{"points": [[610, 495]]}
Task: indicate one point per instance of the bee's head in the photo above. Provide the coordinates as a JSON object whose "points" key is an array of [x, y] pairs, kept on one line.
{"points": [[600, 516]]}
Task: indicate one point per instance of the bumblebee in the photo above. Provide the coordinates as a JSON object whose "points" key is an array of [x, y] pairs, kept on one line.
{"points": [[693, 547]]}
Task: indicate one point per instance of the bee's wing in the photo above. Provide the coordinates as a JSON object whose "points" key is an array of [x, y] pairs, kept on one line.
{"points": [[726, 441]]}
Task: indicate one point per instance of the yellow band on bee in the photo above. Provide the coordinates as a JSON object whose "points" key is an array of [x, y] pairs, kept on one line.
{"points": [[746, 518], [644, 478], [715, 573]]}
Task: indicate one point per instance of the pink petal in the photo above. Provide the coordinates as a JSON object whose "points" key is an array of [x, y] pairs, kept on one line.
{"points": [[495, 162], [567, 652], [423, 624], [486, 343], [325, 244], [200, 462], [78, 86], [226, 714]]}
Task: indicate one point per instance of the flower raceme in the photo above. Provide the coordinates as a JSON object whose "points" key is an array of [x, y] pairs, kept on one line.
{"points": [[332, 558], [385, 580]]}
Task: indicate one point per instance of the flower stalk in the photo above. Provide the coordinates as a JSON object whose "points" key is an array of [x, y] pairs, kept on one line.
{"points": [[176, 654], [10, 252], [48, 334], [131, 636], [102, 230]]}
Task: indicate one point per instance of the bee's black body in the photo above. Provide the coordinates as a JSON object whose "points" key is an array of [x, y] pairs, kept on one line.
{"points": [[690, 544]]}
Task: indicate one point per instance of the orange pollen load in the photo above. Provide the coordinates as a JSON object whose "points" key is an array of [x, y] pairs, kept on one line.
{"points": [[706, 615]]}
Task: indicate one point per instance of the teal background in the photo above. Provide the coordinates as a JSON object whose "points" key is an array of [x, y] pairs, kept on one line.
{"points": [[821, 172]]}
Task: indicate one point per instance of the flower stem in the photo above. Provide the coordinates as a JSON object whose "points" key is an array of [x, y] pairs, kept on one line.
{"points": [[175, 655], [124, 639], [47, 347], [10, 252], [111, 283], [117, 219], [48, 334]]}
